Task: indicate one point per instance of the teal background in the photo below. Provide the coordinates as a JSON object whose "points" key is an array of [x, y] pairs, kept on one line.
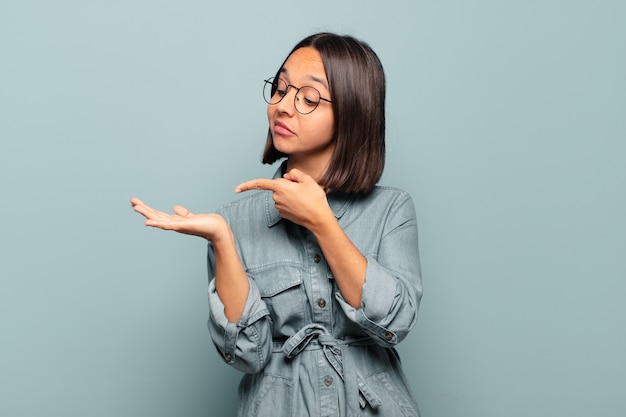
{"points": [[506, 122]]}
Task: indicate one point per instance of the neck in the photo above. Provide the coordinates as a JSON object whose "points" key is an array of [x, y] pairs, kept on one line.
{"points": [[314, 164], [314, 169]]}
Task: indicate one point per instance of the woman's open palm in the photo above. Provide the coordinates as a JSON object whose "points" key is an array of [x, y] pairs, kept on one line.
{"points": [[208, 226]]}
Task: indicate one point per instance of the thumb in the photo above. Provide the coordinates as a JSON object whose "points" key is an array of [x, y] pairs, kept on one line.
{"points": [[295, 175], [181, 211]]}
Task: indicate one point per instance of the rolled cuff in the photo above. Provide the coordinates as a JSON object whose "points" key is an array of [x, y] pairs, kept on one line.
{"points": [[238, 342]]}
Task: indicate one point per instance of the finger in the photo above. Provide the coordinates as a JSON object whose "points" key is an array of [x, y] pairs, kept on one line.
{"points": [[181, 211], [147, 211], [258, 184], [295, 175], [160, 224], [135, 201], [139, 206]]}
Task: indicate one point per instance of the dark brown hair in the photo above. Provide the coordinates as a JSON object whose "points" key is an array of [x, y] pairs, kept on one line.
{"points": [[357, 86]]}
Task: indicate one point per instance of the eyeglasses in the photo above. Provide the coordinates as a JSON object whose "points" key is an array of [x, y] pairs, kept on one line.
{"points": [[305, 100]]}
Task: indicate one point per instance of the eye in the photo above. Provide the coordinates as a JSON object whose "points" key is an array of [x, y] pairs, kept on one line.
{"points": [[280, 87], [310, 102], [310, 96]]}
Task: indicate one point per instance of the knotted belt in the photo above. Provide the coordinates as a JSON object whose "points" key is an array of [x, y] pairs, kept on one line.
{"points": [[316, 336]]}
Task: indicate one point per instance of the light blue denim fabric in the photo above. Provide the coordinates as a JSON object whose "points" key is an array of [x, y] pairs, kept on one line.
{"points": [[305, 351]]}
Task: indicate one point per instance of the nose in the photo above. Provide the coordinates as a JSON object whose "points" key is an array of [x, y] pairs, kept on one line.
{"points": [[288, 103]]}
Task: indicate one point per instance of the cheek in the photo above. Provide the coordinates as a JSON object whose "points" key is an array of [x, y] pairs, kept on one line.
{"points": [[326, 127]]}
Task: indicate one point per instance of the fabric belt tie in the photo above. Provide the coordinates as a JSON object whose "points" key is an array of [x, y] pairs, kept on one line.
{"points": [[316, 336]]}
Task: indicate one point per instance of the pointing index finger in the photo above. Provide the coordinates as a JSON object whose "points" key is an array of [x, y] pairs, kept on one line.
{"points": [[257, 184]]}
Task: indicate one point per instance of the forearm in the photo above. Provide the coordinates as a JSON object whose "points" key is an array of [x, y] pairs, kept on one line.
{"points": [[391, 294], [345, 260], [247, 344], [231, 281]]}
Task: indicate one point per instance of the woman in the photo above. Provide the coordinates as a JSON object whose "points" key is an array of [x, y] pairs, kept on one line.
{"points": [[315, 278]]}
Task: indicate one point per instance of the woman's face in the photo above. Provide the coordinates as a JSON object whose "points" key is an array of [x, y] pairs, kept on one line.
{"points": [[303, 137]]}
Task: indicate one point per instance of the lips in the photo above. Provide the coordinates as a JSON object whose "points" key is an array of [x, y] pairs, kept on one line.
{"points": [[282, 129]]}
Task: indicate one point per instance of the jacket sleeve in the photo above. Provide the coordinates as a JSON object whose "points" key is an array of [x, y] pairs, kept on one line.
{"points": [[247, 344], [393, 284]]}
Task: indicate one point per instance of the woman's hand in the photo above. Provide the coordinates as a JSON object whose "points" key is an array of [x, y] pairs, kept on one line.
{"points": [[208, 226], [231, 280], [297, 197]]}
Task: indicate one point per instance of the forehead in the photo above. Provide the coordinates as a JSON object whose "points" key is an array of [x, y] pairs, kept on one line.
{"points": [[305, 64]]}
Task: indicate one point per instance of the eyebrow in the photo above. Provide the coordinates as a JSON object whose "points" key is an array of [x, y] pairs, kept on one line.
{"points": [[308, 77]]}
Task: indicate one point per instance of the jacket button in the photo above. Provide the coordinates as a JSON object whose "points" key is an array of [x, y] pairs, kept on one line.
{"points": [[328, 380], [317, 259], [321, 302], [388, 335], [228, 357]]}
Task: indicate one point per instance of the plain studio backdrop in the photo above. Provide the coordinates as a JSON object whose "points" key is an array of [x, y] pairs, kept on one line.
{"points": [[506, 123]]}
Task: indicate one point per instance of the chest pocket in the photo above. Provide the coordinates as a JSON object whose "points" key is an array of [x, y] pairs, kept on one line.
{"points": [[281, 289]]}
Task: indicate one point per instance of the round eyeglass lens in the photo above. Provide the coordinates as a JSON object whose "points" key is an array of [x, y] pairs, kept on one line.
{"points": [[274, 90], [307, 99]]}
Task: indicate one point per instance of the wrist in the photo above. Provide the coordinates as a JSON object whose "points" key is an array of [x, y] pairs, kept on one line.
{"points": [[223, 236], [323, 224], [218, 232]]}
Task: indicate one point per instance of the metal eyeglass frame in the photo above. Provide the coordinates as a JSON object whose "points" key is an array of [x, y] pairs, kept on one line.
{"points": [[295, 97]]}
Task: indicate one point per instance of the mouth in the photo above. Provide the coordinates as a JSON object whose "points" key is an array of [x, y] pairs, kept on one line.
{"points": [[282, 129]]}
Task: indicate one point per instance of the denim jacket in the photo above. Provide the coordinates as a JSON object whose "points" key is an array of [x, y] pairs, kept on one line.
{"points": [[304, 350]]}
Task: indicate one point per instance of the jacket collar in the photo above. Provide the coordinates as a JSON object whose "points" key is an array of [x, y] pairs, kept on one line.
{"points": [[338, 201]]}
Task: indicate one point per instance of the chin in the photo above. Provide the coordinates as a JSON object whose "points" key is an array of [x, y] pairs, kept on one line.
{"points": [[279, 144]]}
